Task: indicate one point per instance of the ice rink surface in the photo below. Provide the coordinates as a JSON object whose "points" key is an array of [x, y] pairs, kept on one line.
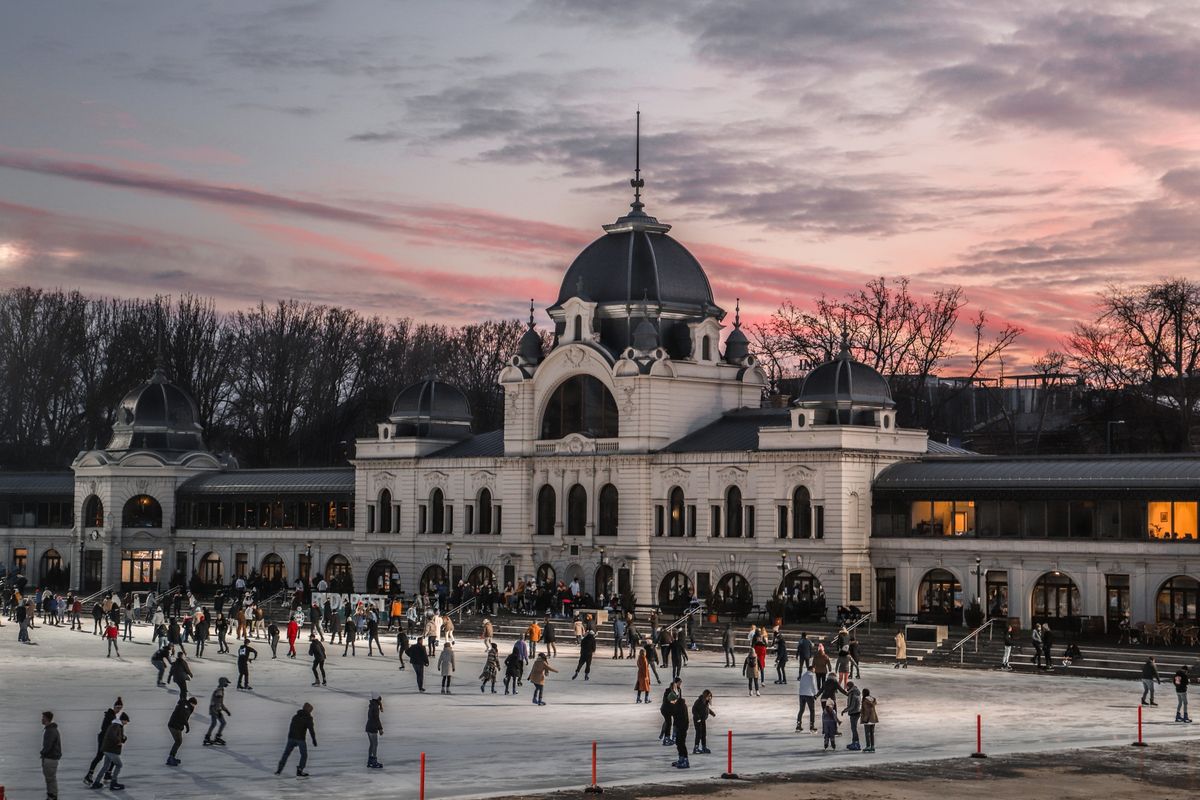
{"points": [[479, 745]]}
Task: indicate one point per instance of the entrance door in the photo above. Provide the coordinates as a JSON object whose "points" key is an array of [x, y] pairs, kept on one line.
{"points": [[885, 595], [1116, 603], [93, 570]]}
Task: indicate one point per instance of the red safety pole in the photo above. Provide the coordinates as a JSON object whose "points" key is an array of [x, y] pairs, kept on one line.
{"points": [[1139, 742], [978, 737], [595, 787], [422, 776], [729, 773]]}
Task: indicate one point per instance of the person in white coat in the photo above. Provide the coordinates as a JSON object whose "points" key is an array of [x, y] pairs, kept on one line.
{"points": [[808, 699], [446, 666]]}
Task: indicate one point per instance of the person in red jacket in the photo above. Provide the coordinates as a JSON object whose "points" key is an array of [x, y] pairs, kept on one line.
{"points": [[110, 634], [293, 632]]}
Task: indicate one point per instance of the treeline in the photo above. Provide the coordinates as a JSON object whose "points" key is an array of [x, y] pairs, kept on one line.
{"points": [[280, 384]]}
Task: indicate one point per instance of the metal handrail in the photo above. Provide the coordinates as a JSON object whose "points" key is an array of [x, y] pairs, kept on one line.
{"points": [[458, 609], [112, 587], [974, 636], [864, 618], [691, 612]]}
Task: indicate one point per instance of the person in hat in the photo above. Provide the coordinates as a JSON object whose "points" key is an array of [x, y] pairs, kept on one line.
{"points": [[111, 714], [177, 724], [217, 713], [374, 730], [111, 745], [300, 726]]}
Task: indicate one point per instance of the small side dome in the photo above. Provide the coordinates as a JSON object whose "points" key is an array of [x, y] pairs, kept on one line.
{"points": [[737, 346], [432, 408], [157, 415], [530, 346], [846, 392], [645, 336]]}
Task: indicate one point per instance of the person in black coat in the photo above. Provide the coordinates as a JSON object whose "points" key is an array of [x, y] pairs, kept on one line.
{"points": [[177, 724], [402, 644], [245, 655], [829, 691], [180, 672], [316, 649], [701, 711], [781, 658], [678, 656], [300, 726], [419, 658], [679, 717], [1047, 643], [374, 729], [587, 649], [109, 716]]}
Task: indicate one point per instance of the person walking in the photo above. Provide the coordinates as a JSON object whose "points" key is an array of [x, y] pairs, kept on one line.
{"points": [[1009, 642], [781, 659], [418, 656], [51, 754], [1150, 677], [316, 649], [177, 724], [491, 669], [666, 709], [300, 727], [753, 672], [642, 685], [181, 672], [701, 711], [374, 730], [1180, 679], [808, 699], [618, 638], [112, 744], [245, 655], [110, 635], [537, 676], [901, 651], [1047, 644], [587, 649], [727, 645], [110, 715], [216, 714], [679, 717], [869, 719], [1036, 635], [486, 634], [514, 665], [446, 665], [293, 630], [853, 710], [829, 725], [273, 638]]}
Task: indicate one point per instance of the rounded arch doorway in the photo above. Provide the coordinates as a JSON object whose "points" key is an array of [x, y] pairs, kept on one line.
{"points": [[1177, 599], [1056, 601], [674, 592], [338, 574], [433, 576], [732, 595], [803, 597], [481, 576], [273, 571], [939, 598], [546, 575], [382, 578]]}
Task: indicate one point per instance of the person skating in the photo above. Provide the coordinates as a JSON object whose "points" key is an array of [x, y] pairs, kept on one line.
{"points": [[373, 634], [162, 661], [217, 713], [316, 649], [829, 691], [514, 665], [1150, 677], [491, 669], [486, 634], [844, 665], [293, 630], [587, 649], [901, 652], [651, 657], [727, 645], [804, 654], [110, 715], [821, 666], [829, 726], [781, 659], [642, 686], [701, 711], [402, 644], [51, 754], [853, 710], [446, 665], [678, 656], [537, 676], [1180, 679], [110, 635], [177, 724], [855, 656], [808, 699], [870, 718], [549, 637], [618, 638], [679, 717], [181, 672], [273, 638], [300, 727], [374, 730], [201, 634], [418, 656], [350, 631], [112, 744], [752, 671], [222, 627], [245, 655], [666, 709]]}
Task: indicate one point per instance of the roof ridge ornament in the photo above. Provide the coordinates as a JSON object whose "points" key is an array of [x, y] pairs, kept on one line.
{"points": [[637, 219]]}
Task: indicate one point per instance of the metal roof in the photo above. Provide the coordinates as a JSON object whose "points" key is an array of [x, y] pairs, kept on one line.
{"points": [[484, 445], [37, 484], [335, 480], [1044, 473]]}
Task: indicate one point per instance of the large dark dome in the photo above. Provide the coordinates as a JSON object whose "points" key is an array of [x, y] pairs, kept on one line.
{"points": [[844, 381], [157, 415], [630, 265], [432, 408]]}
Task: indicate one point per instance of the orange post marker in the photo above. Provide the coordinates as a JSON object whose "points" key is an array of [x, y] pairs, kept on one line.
{"points": [[978, 737], [595, 787], [422, 776], [729, 773], [1139, 742]]}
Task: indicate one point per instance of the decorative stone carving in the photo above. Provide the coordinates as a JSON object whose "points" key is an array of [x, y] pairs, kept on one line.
{"points": [[734, 475], [435, 479], [483, 478], [574, 356], [677, 477], [628, 406]]}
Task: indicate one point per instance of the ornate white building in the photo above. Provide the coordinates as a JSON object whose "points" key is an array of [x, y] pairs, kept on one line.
{"points": [[639, 456]]}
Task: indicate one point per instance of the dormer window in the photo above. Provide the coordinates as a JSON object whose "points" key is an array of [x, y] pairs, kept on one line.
{"points": [[706, 349], [578, 332]]}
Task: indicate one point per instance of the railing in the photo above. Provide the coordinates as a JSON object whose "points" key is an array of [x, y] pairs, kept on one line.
{"points": [[91, 598], [974, 636], [864, 618], [458, 609], [691, 612]]}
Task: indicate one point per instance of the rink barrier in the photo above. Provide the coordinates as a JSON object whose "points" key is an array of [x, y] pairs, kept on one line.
{"points": [[1138, 743], [594, 788], [729, 774], [978, 737], [422, 777]]}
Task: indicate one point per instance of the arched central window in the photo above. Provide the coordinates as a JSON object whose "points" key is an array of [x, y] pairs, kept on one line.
{"points": [[546, 502], [142, 511], [485, 510], [581, 404], [609, 507], [677, 513], [437, 511], [93, 512], [576, 510], [385, 511], [801, 514], [733, 513]]}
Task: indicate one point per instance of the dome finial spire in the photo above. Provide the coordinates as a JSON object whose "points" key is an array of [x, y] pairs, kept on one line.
{"points": [[844, 351], [737, 313], [531, 313], [637, 183]]}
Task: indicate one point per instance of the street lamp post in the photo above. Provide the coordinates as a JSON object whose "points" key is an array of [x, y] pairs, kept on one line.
{"points": [[449, 547], [193, 570], [978, 580], [603, 563], [79, 566]]}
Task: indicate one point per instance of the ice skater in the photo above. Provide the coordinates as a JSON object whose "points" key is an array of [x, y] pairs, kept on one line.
{"points": [[217, 713], [51, 754], [110, 635], [110, 715], [374, 730], [537, 676], [316, 649], [293, 630], [446, 665], [111, 745], [180, 673], [300, 727], [177, 724], [642, 685], [491, 669], [701, 711], [679, 717], [161, 661], [587, 649], [869, 719], [402, 644], [752, 671], [419, 658], [245, 655]]}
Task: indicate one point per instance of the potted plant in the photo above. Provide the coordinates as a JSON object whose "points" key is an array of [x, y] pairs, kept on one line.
{"points": [[973, 615]]}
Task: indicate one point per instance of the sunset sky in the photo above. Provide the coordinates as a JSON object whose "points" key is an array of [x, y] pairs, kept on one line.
{"points": [[447, 160]]}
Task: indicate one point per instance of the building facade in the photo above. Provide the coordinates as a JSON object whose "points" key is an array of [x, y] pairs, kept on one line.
{"points": [[639, 457]]}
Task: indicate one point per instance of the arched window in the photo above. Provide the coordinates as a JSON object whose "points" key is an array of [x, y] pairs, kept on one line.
{"points": [[338, 574], [379, 577], [732, 595], [675, 592], [677, 513], [431, 578], [604, 580], [142, 511], [1177, 599], [481, 576], [576, 510], [1055, 597], [547, 501], [437, 511], [733, 513], [51, 572], [581, 404], [803, 597], [211, 570], [484, 504], [385, 511], [801, 514], [273, 570], [578, 329], [939, 598], [609, 509], [93, 513], [546, 575], [705, 349]]}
